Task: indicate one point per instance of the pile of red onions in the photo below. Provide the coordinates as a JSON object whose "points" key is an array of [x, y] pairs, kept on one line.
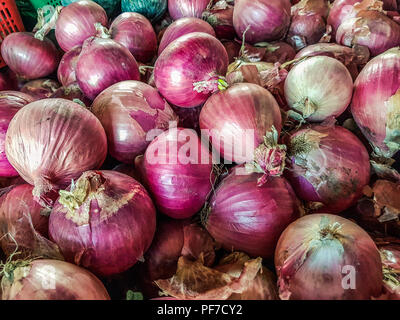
{"points": [[376, 102], [102, 63], [105, 222], [187, 8], [128, 111], [238, 120], [28, 56], [189, 69], [136, 33], [369, 28], [40, 88], [318, 88], [246, 217], [179, 172], [66, 69], [327, 257], [10, 103], [51, 141], [329, 166], [181, 27], [50, 280], [264, 20], [24, 225], [76, 23], [220, 16]]}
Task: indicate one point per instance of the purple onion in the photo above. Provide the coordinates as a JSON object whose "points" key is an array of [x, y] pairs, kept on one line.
{"points": [[187, 8], [66, 69]]}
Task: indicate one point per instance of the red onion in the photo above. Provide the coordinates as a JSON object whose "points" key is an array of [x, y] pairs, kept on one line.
{"points": [[327, 257], [179, 172], [267, 20], [136, 33], [29, 57], [128, 110], [209, 284], [50, 280], [66, 69], [246, 217], [102, 63], [186, 8], [40, 88], [311, 7], [24, 225], [239, 120], [220, 16], [10, 103], [376, 106], [340, 11], [329, 167], [8, 80], [372, 29], [319, 87], [350, 57], [305, 30], [263, 287], [76, 23], [181, 27], [173, 239], [51, 141], [72, 92], [104, 222], [189, 69]]}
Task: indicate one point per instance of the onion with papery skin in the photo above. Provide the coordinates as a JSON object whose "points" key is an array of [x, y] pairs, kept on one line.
{"points": [[173, 239], [220, 16], [178, 172], [318, 88], [151, 9], [329, 166], [181, 27], [51, 141], [29, 57], [250, 218], [263, 287], [189, 69], [102, 63], [72, 92], [327, 257], [76, 23], [209, 284], [24, 225], [266, 20], [104, 222], [352, 58], [128, 111], [187, 8], [40, 88], [340, 11], [136, 33], [240, 122], [10, 103], [64, 281], [372, 29], [376, 102], [66, 69], [232, 49], [310, 7]]}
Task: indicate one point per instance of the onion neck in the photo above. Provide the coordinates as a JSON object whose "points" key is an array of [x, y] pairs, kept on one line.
{"points": [[269, 158], [101, 31], [79, 192], [44, 28], [212, 85]]}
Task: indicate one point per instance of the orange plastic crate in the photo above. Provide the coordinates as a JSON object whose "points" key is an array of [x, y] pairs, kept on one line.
{"points": [[10, 21]]}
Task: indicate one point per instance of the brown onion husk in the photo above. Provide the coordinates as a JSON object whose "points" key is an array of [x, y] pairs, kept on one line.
{"points": [[194, 281], [379, 210], [390, 255], [263, 287]]}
